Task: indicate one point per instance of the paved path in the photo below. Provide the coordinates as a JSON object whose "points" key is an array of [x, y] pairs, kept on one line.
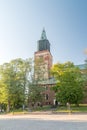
{"points": [[64, 117]]}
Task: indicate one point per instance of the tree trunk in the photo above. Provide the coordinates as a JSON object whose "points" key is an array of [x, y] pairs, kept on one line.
{"points": [[8, 106]]}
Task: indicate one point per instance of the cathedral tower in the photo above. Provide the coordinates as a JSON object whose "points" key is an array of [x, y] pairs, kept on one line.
{"points": [[43, 58]]}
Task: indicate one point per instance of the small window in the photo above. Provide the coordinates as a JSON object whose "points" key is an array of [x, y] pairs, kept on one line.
{"points": [[47, 97]]}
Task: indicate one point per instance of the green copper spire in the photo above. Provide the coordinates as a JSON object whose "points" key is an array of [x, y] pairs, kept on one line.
{"points": [[43, 43], [43, 35]]}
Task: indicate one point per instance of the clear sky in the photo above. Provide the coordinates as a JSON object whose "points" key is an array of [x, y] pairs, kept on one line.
{"points": [[22, 21]]}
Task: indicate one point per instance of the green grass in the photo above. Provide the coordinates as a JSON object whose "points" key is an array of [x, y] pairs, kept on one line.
{"points": [[20, 111], [73, 108], [44, 108], [60, 109]]}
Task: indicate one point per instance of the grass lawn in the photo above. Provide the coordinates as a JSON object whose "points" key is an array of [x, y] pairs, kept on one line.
{"points": [[60, 109], [81, 108], [73, 108]]}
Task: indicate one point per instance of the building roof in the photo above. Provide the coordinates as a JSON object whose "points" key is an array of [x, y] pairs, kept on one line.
{"points": [[43, 43], [48, 81]]}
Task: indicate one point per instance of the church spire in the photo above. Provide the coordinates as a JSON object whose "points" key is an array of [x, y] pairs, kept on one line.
{"points": [[43, 35], [43, 43]]}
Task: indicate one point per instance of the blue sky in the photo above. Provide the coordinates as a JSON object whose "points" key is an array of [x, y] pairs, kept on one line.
{"points": [[22, 21]]}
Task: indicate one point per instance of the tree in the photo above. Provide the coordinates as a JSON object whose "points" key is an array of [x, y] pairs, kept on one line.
{"points": [[35, 96], [35, 90], [14, 77], [6, 74], [18, 85], [24, 72], [85, 70], [84, 73], [69, 86]]}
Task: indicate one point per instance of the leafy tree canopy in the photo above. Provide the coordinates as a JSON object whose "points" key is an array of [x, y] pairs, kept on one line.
{"points": [[69, 86]]}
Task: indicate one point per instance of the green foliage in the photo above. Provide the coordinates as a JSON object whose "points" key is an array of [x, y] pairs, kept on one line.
{"points": [[35, 93], [40, 69], [18, 86], [84, 73], [14, 77], [69, 87], [35, 90]]}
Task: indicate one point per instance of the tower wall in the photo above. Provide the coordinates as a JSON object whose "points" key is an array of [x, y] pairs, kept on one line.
{"points": [[45, 63], [42, 64]]}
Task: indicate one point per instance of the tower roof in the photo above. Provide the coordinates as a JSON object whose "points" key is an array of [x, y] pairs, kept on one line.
{"points": [[43, 35], [43, 43]]}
